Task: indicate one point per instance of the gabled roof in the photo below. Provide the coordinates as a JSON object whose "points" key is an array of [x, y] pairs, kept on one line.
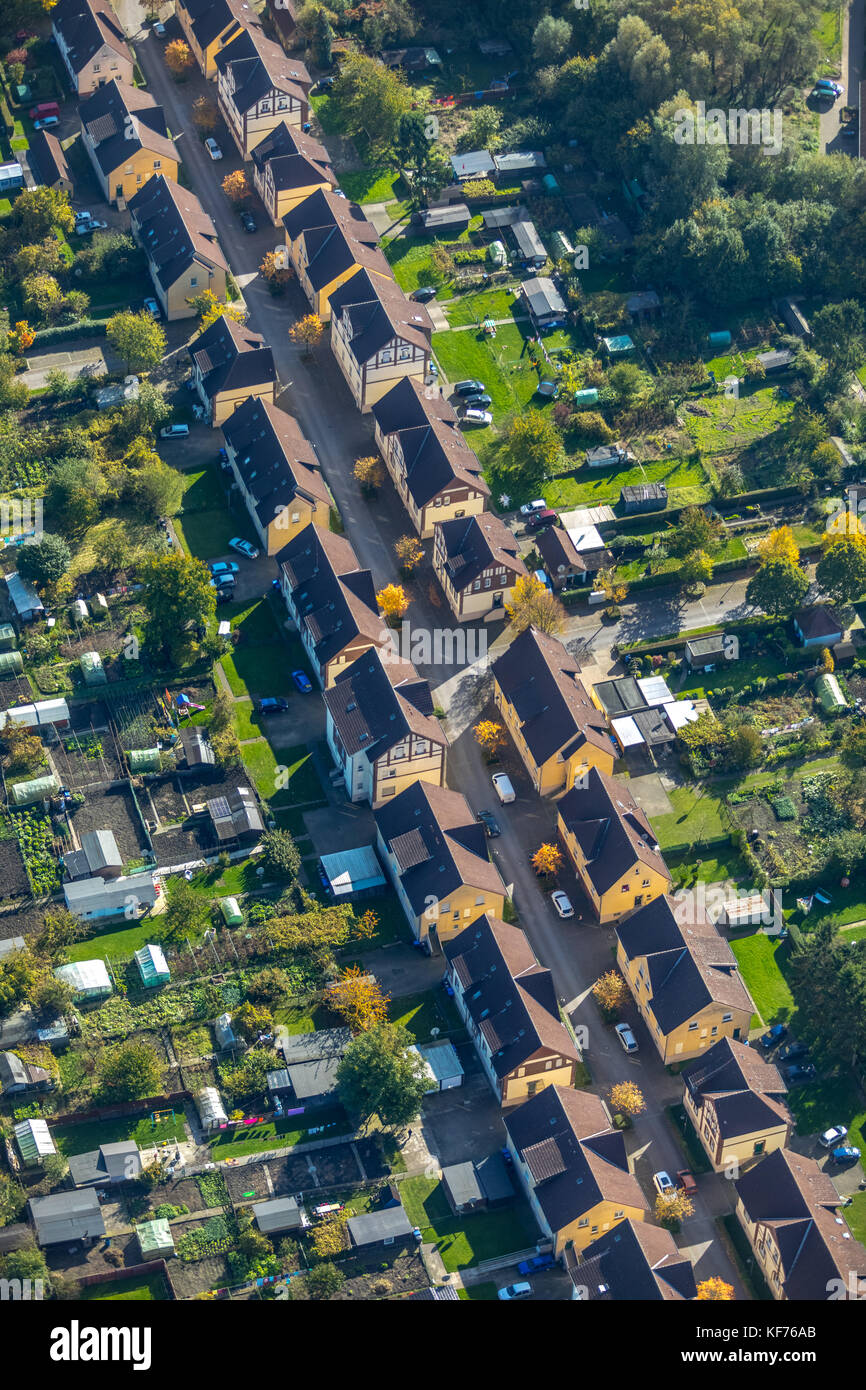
{"points": [[67, 1216], [174, 229], [557, 550], [274, 459], [510, 996], [437, 843], [376, 313], [690, 965], [325, 208], [575, 1158], [101, 850], [257, 66], [210, 19], [375, 704], [296, 159], [231, 357], [744, 1090], [541, 681], [85, 26], [46, 158], [112, 110], [333, 597], [634, 1262], [611, 829], [472, 544], [789, 1193], [333, 250], [435, 451]]}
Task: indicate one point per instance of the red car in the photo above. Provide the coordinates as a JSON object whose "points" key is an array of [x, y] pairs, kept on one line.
{"points": [[45, 108], [686, 1182], [540, 520]]}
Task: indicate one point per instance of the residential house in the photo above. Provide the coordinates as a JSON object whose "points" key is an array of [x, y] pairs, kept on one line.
{"points": [[91, 44], [378, 336], [436, 473], [18, 1078], [734, 1099], [283, 15], [67, 1216], [48, 162], [258, 87], [683, 977], [611, 844], [381, 729], [558, 731], [180, 242], [331, 600], [508, 1003], [573, 1166], [565, 564], [477, 562], [209, 26], [289, 166], [107, 1165], [817, 626], [231, 363], [124, 133], [277, 472], [435, 854], [634, 1262], [789, 1210], [329, 241]]}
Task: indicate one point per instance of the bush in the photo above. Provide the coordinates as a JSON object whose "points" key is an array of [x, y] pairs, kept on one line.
{"points": [[93, 327], [591, 425]]}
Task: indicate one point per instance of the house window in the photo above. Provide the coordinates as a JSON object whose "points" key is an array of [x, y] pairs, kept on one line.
{"points": [[594, 1230], [624, 888], [583, 1221], [726, 1018], [421, 746], [759, 1147], [388, 791], [487, 582], [389, 1240], [296, 516], [618, 1215], [445, 907], [404, 354], [157, 164], [446, 499], [437, 502], [193, 282], [477, 585], [96, 67], [467, 912], [457, 914], [532, 1087], [386, 356], [138, 178]]}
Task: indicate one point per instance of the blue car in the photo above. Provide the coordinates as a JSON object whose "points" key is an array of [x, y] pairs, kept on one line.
{"points": [[273, 704], [773, 1036], [302, 681], [537, 1263], [846, 1154]]}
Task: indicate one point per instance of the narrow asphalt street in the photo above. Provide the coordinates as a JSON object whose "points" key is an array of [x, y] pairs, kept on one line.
{"points": [[851, 72]]}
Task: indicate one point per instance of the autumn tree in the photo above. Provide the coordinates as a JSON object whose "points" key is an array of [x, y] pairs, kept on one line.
{"points": [[533, 605], [130, 1071], [307, 332], [277, 271], [610, 992], [490, 738], [715, 1290], [392, 601], [779, 544], [178, 59], [672, 1207], [370, 473], [615, 590], [357, 996], [251, 1020], [205, 115], [178, 595], [409, 552], [209, 309], [627, 1098], [696, 568], [37, 211], [236, 187], [695, 530], [329, 1236], [137, 338], [530, 454], [547, 860], [21, 337], [841, 570]]}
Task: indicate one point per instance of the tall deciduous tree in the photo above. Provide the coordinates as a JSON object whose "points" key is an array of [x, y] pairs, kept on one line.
{"points": [[778, 588], [130, 1071], [380, 1075], [533, 605], [358, 997], [45, 560], [178, 593], [178, 58], [137, 338], [372, 99], [531, 451], [307, 332], [841, 570]]}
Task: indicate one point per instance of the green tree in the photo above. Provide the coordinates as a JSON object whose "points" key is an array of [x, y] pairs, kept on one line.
{"points": [[694, 531], [428, 166], [371, 99], [841, 570], [42, 297], [696, 568], [37, 211], [839, 334], [746, 749], [111, 547], [778, 587], [158, 489], [12, 1200], [531, 451], [129, 1071], [253, 1019], [186, 911], [141, 417], [137, 338], [322, 45], [73, 496], [550, 40], [59, 929], [280, 854], [45, 560], [51, 996], [379, 1075], [14, 394], [324, 1280], [26, 1263], [178, 595]]}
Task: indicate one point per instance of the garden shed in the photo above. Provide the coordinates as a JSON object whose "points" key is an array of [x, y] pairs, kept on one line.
{"points": [[144, 760], [26, 793], [92, 668], [829, 694], [34, 1141], [441, 1064], [155, 1239], [11, 663], [78, 610], [88, 979], [152, 966], [39, 715], [8, 638], [24, 598], [618, 345], [278, 1214], [588, 396], [720, 339], [210, 1109]]}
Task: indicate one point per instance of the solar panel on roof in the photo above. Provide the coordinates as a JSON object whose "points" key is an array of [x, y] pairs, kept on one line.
{"points": [[102, 128], [219, 808]]}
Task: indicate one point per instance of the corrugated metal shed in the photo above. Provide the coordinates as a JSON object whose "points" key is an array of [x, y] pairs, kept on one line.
{"points": [[353, 871]]}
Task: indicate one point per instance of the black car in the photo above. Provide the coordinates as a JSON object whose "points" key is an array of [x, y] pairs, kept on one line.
{"points": [[490, 823], [424, 294], [248, 222], [479, 400], [793, 1051]]}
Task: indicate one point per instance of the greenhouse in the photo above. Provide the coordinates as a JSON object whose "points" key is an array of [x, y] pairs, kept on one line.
{"points": [[155, 1239], [152, 966], [89, 979], [92, 668], [11, 663], [144, 760], [25, 793], [210, 1109], [231, 912], [34, 1141], [830, 694]]}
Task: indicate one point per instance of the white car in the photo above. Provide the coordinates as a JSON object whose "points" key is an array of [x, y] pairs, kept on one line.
{"points": [[831, 1137], [528, 508], [174, 432], [213, 148], [503, 787], [626, 1037], [562, 903], [476, 417], [515, 1291], [663, 1183], [243, 548]]}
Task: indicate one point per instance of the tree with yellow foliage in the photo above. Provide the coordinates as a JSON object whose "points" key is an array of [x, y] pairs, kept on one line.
{"points": [[205, 115], [828, 665], [393, 602], [307, 332], [329, 1236], [370, 473], [627, 1098], [277, 271], [715, 1290], [358, 998], [21, 337], [615, 589], [547, 860], [610, 992], [409, 552], [236, 187], [209, 309], [490, 738], [178, 59], [533, 605], [672, 1207], [780, 545]]}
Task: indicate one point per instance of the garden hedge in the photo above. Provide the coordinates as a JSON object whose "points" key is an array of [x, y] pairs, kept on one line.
{"points": [[84, 328]]}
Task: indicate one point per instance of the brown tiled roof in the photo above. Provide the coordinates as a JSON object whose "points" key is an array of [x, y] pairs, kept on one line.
{"points": [[474, 543], [636, 1262], [611, 829], [456, 844], [375, 703]]}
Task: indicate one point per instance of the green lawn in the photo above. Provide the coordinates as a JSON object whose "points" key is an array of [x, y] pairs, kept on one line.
{"points": [[856, 1216], [761, 959], [722, 864], [206, 534], [265, 669], [687, 484], [372, 185], [695, 820], [481, 304], [478, 1293], [235, 881], [830, 1100], [79, 1139], [117, 943], [279, 1134], [419, 1013], [149, 1287], [297, 779], [466, 1240], [501, 363]]}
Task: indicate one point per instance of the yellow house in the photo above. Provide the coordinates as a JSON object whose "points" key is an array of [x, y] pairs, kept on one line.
{"points": [[288, 167], [90, 40], [435, 854], [258, 87], [277, 473], [497, 981], [377, 336], [558, 731], [633, 1262], [209, 26], [381, 729], [180, 242], [734, 1099], [430, 463], [573, 1167], [611, 845], [230, 363], [683, 977], [327, 243], [331, 600], [789, 1210], [477, 562], [125, 136]]}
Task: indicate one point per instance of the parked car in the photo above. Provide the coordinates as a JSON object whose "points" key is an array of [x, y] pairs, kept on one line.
{"points": [[302, 681], [825, 88], [686, 1182], [831, 1138], [476, 417], [503, 787], [490, 823], [224, 567], [773, 1036], [213, 148], [243, 548], [45, 108], [273, 704], [248, 222], [152, 307], [424, 294], [174, 432], [562, 902], [797, 1073], [663, 1183], [324, 84], [468, 387], [846, 1153], [530, 508], [539, 521], [626, 1037], [223, 459], [47, 123], [479, 400], [793, 1051], [515, 1291], [159, 28], [224, 583], [849, 132], [538, 1262]]}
